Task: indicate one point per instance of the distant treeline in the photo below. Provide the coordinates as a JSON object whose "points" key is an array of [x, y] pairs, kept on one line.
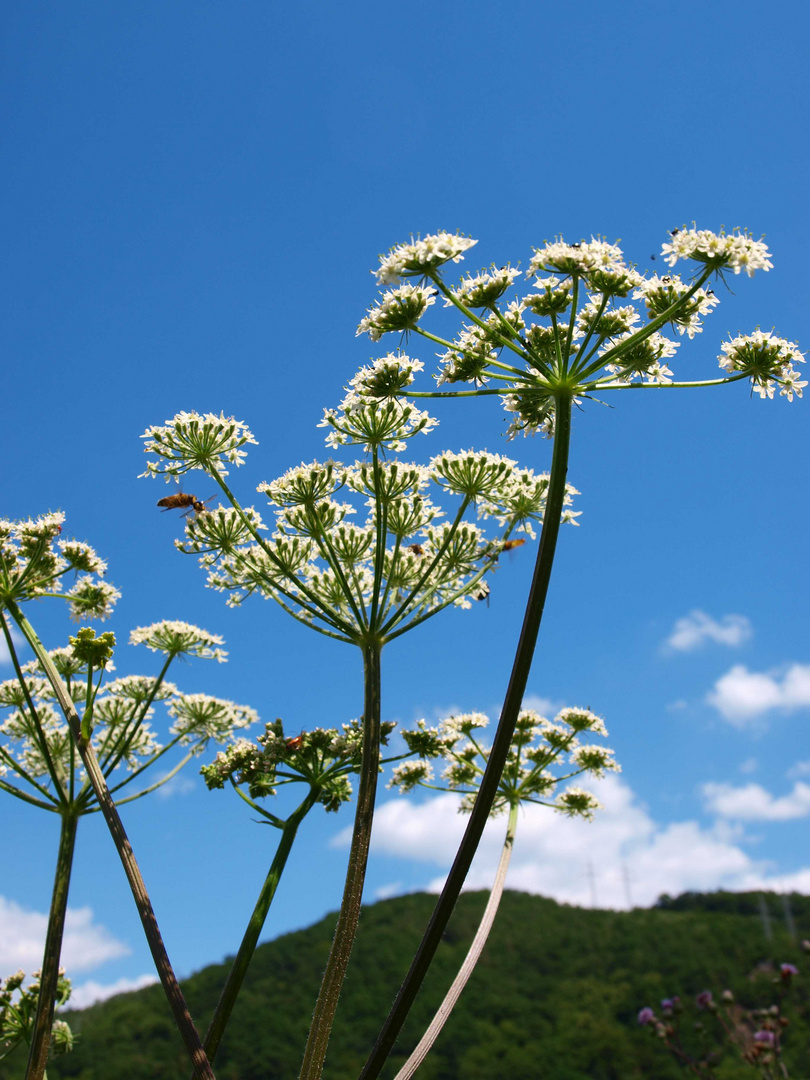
{"points": [[555, 996]]}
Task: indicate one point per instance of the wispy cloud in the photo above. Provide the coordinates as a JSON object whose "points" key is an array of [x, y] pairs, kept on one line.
{"points": [[91, 992], [697, 628], [753, 803], [742, 696], [19, 646], [86, 944]]}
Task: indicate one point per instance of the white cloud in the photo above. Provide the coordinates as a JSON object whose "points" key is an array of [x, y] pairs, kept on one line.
{"points": [[623, 851], [696, 628], [749, 765], [754, 803], [178, 785], [91, 992], [801, 768], [742, 696], [19, 646], [85, 945]]}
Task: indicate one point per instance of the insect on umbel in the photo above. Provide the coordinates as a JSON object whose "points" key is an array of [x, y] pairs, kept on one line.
{"points": [[182, 502]]}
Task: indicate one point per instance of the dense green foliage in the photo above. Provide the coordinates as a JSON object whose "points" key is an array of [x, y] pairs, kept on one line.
{"points": [[555, 996]]}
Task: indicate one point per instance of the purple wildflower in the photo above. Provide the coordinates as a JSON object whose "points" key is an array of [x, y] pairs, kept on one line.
{"points": [[787, 970], [704, 999], [764, 1038], [646, 1015]]}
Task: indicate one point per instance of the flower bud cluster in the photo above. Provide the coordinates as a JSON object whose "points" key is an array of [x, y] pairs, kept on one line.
{"points": [[18, 1008], [543, 755], [33, 560], [323, 758]]}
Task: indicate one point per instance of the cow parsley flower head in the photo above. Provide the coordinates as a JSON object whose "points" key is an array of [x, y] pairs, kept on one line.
{"points": [[199, 716], [192, 441], [399, 309], [90, 599], [768, 361], [384, 425], [386, 377], [485, 288], [735, 251], [177, 638], [661, 293], [422, 255], [578, 258]]}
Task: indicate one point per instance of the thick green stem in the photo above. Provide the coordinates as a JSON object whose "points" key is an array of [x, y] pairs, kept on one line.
{"points": [[470, 960], [43, 1021], [171, 987], [349, 915], [521, 666], [236, 975]]}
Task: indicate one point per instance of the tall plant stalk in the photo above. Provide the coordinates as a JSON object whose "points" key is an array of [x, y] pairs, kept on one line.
{"points": [[346, 929], [174, 994], [500, 748], [43, 1022], [434, 1029]]}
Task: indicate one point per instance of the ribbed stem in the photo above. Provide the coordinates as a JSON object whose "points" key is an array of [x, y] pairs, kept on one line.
{"points": [[346, 929], [43, 1021], [236, 975], [470, 960], [521, 666]]}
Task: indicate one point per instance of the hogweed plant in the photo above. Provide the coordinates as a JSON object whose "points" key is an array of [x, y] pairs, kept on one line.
{"points": [[363, 584], [73, 741], [538, 747]]}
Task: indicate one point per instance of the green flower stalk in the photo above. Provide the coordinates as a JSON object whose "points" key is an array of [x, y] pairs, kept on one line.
{"points": [[541, 353], [537, 746], [364, 584]]}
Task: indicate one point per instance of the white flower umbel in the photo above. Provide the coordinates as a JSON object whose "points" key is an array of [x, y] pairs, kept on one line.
{"points": [[399, 309], [767, 360], [192, 441], [735, 251], [419, 256], [200, 716], [572, 338], [177, 638], [543, 755]]}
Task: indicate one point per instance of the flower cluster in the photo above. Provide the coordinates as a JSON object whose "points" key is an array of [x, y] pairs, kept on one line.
{"points": [[179, 639], [402, 562], [322, 758], [768, 362], [192, 441], [33, 562], [572, 335], [18, 1007], [37, 749], [421, 256], [538, 746], [734, 251]]}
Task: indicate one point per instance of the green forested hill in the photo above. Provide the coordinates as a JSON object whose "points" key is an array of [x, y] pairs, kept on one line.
{"points": [[555, 996]]}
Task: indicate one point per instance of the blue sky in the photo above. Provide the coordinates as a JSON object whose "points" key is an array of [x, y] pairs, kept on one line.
{"points": [[194, 197]]}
